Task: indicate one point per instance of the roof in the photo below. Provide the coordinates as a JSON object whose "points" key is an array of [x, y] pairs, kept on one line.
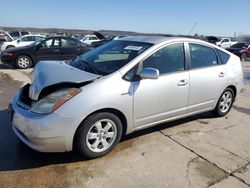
{"points": [[147, 39]]}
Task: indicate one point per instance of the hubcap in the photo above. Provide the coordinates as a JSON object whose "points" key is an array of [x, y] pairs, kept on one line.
{"points": [[101, 135], [23, 62], [226, 101]]}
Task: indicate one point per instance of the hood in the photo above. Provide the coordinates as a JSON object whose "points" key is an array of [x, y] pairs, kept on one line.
{"points": [[17, 49], [49, 73], [99, 35]]}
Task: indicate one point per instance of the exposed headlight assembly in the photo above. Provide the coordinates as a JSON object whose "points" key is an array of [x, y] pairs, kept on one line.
{"points": [[54, 100]]}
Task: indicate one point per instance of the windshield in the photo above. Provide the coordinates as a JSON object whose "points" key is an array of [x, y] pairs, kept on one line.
{"points": [[240, 45], [109, 57]]}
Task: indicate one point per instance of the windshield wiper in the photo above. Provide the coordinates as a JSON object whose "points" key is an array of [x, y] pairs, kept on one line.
{"points": [[89, 65]]}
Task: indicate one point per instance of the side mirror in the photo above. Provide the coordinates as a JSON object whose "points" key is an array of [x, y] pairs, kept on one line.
{"points": [[149, 73], [38, 47]]}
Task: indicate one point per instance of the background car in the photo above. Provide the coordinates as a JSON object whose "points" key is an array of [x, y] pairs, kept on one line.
{"points": [[4, 37], [51, 48], [242, 50], [17, 34], [89, 39], [22, 41]]}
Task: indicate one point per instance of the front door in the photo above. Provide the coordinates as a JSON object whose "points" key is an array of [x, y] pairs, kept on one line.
{"points": [[166, 97], [49, 50]]}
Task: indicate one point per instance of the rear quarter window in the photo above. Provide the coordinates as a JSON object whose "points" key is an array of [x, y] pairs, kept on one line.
{"points": [[224, 57]]}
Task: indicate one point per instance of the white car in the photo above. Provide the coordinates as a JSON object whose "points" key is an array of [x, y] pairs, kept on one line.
{"points": [[225, 43], [126, 85], [22, 41], [88, 39]]}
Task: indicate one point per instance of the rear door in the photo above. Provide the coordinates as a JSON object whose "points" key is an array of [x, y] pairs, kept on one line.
{"points": [[207, 77], [49, 50], [69, 48]]}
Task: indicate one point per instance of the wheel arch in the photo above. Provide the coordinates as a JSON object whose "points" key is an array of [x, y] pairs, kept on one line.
{"points": [[114, 111], [234, 90], [25, 55]]}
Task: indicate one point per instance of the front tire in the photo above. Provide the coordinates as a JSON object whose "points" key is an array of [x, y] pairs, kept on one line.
{"points": [[98, 134], [23, 62], [224, 103]]}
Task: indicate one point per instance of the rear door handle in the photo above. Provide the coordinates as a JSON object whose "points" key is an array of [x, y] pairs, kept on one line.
{"points": [[221, 74], [182, 82]]}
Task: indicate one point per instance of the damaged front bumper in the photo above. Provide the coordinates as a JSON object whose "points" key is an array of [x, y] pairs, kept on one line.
{"points": [[44, 133]]}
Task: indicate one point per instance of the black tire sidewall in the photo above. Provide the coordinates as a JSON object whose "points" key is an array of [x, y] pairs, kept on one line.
{"points": [[30, 64], [243, 57], [217, 110], [87, 124]]}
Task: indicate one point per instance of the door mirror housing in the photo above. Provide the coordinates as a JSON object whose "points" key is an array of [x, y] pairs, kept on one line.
{"points": [[149, 73], [39, 46]]}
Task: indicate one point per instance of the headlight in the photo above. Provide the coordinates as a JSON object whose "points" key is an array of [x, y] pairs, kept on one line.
{"points": [[54, 100], [9, 54]]}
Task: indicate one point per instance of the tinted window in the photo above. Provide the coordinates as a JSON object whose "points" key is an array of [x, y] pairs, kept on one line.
{"points": [[223, 56], [14, 34], [168, 59], [27, 39], [50, 43], [202, 56], [68, 42], [225, 40], [37, 38], [24, 33]]}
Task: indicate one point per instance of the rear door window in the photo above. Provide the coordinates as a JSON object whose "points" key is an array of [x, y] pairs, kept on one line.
{"points": [[68, 42], [202, 56], [223, 56]]}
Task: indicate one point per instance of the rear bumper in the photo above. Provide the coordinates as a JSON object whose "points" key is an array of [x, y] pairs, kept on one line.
{"points": [[44, 133]]}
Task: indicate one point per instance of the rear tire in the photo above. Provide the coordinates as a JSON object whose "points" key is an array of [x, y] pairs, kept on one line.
{"points": [[243, 57], [23, 62], [224, 103], [98, 134]]}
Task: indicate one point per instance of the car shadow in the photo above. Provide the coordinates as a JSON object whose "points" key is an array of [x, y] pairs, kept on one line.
{"points": [[5, 66], [14, 155]]}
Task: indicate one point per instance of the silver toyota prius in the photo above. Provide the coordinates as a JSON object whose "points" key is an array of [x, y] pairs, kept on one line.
{"points": [[120, 87]]}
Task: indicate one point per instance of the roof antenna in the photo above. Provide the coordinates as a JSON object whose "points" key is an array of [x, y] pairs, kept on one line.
{"points": [[195, 24]]}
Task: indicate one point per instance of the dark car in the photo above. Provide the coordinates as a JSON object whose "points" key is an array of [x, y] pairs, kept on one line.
{"points": [[240, 49], [51, 48]]}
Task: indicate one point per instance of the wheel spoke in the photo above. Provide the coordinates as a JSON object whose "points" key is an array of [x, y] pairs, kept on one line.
{"points": [[110, 134], [105, 143], [92, 136], [95, 144], [98, 126], [107, 127]]}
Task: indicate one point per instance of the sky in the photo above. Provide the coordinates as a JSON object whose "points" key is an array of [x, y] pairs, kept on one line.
{"points": [[210, 17]]}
